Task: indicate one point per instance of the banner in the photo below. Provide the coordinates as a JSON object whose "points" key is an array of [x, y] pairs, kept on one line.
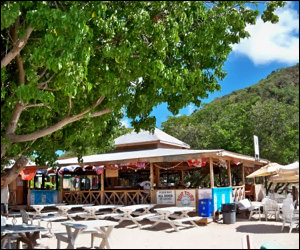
{"points": [[197, 162], [28, 173], [165, 197], [186, 198]]}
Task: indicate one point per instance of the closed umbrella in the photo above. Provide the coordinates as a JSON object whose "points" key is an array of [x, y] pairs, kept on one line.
{"points": [[283, 178], [289, 170], [270, 169]]}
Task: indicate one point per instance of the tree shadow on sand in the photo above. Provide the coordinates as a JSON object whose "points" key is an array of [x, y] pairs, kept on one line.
{"points": [[264, 229]]}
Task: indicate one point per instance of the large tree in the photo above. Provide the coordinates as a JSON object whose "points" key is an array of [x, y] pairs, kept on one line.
{"points": [[70, 69]]}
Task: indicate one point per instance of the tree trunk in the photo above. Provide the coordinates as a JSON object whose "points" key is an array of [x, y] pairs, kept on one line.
{"points": [[11, 174]]}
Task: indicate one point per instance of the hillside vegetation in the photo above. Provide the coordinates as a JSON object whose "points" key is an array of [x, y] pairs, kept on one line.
{"points": [[268, 109]]}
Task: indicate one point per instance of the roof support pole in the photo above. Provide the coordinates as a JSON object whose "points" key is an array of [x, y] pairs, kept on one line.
{"points": [[181, 177], [229, 174], [102, 187], [211, 167], [152, 183], [243, 178], [157, 176]]}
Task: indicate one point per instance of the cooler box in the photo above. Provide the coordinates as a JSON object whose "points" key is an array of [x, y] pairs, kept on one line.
{"points": [[38, 197], [205, 208], [221, 196]]}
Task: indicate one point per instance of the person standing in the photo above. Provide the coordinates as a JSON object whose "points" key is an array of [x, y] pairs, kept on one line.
{"points": [[4, 201]]}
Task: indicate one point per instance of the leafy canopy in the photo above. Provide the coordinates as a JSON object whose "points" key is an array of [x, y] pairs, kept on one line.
{"points": [[268, 109], [70, 69]]}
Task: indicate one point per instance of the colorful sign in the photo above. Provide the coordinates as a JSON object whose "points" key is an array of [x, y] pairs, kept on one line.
{"points": [[166, 197], [186, 198], [205, 193]]}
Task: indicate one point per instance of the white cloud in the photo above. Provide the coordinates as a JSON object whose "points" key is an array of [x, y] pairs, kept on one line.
{"points": [[191, 109], [273, 42], [125, 122]]}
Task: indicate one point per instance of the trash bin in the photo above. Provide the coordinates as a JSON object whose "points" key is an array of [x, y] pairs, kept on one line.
{"points": [[229, 213]]}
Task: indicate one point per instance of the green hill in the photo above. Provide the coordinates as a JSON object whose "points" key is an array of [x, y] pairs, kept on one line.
{"points": [[268, 109]]}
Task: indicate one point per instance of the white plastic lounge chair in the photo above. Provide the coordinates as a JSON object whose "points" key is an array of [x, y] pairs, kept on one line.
{"points": [[246, 205], [271, 208], [288, 216]]}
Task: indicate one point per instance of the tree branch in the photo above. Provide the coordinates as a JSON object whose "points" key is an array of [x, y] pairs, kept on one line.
{"points": [[20, 44], [47, 131], [56, 5], [44, 85], [37, 105], [42, 73], [14, 33], [11, 174], [19, 107], [102, 112], [70, 105]]}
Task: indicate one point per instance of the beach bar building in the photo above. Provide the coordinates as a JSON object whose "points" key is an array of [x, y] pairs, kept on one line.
{"points": [[147, 168]]}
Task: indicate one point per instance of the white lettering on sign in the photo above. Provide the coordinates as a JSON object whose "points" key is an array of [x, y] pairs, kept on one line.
{"points": [[165, 197]]}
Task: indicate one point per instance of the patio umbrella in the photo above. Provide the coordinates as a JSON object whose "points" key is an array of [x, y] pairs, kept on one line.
{"points": [[282, 178], [289, 170], [270, 169]]}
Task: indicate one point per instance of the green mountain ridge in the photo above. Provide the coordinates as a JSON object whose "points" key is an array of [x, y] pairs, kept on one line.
{"points": [[268, 109]]}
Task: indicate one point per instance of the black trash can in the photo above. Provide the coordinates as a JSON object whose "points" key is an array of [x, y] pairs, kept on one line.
{"points": [[229, 213]]}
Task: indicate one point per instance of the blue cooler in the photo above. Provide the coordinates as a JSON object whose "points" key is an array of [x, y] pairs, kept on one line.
{"points": [[205, 208]]}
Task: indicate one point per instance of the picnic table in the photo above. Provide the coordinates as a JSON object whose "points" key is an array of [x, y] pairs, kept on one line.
{"points": [[92, 211], [27, 233], [38, 209], [63, 210], [166, 213], [97, 228], [132, 210]]}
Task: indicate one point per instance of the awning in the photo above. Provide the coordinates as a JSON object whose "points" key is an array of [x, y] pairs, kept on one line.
{"points": [[28, 173], [280, 178], [270, 169]]}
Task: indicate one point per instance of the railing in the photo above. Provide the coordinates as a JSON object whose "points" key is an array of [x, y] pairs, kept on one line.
{"points": [[122, 197], [238, 193], [12, 197]]}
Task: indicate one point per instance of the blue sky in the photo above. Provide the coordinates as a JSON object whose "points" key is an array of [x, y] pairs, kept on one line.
{"points": [[270, 47]]}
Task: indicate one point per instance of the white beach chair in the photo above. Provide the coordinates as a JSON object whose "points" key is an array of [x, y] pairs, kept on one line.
{"points": [[271, 208], [288, 216], [246, 205]]}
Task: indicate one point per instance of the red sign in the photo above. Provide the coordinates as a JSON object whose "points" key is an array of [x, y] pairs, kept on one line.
{"points": [[28, 173]]}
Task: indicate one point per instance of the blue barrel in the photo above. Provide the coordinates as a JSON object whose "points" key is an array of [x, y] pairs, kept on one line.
{"points": [[205, 207]]}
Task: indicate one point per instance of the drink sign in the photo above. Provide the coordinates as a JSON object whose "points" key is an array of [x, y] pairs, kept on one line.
{"points": [[166, 197]]}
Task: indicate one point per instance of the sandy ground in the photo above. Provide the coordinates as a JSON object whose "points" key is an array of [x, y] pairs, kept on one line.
{"points": [[214, 235]]}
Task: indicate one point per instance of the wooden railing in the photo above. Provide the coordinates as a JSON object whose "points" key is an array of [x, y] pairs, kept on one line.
{"points": [[108, 197], [238, 193], [12, 197]]}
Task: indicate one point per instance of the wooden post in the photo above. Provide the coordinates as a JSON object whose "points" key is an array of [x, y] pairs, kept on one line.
{"points": [[211, 166], [229, 174], [243, 177], [152, 183], [181, 177], [102, 187], [157, 176]]}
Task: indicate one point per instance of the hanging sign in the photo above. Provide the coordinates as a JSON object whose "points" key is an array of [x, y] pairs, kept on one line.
{"points": [[186, 198], [166, 197], [256, 148], [205, 193]]}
